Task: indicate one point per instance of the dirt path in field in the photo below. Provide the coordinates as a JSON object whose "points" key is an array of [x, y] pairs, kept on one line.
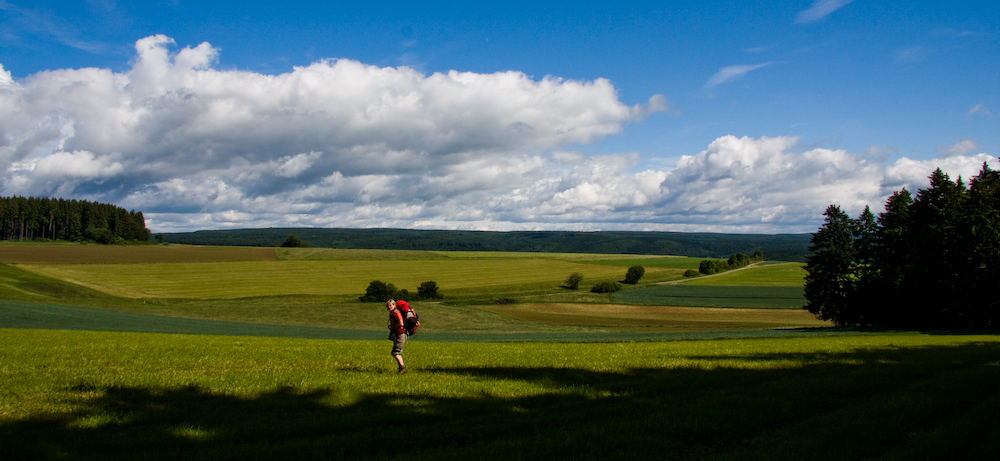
{"points": [[674, 282]]}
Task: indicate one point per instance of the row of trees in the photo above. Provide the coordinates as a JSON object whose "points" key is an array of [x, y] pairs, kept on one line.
{"points": [[632, 276], [379, 291], [30, 218], [735, 261], [929, 261]]}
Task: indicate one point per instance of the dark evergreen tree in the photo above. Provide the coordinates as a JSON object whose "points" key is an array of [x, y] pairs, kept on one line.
{"points": [[937, 258], [831, 269], [981, 236], [891, 262]]}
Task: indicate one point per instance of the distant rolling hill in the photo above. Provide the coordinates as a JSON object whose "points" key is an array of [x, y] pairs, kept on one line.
{"points": [[785, 247]]}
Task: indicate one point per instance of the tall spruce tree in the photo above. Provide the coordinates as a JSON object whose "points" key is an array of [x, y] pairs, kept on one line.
{"points": [[981, 235], [935, 247], [831, 269]]}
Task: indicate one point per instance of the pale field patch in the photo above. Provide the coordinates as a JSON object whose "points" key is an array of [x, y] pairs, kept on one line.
{"points": [[305, 277]]}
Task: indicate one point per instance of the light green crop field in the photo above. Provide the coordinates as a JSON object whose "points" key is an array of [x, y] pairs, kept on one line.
{"points": [[308, 277], [767, 275], [96, 395]]}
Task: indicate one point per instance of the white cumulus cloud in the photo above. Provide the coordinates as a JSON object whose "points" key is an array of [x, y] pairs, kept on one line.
{"points": [[339, 143]]}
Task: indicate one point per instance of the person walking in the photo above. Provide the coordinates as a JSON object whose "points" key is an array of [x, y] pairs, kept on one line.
{"points": [[397, 334]]}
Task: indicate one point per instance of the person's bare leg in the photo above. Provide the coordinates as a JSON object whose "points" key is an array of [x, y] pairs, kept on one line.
{"points": [[399, 359]]}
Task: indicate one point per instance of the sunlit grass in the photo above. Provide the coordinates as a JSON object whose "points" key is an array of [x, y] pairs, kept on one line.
{"points": [[305, 277], [125, 396]]}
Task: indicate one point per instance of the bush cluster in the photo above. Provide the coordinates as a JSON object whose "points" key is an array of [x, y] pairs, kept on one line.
{"points": [[379, 291], [735, 261], [606, 287]]}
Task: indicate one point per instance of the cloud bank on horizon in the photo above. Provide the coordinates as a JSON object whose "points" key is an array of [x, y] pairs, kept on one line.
{"points": [[339, 143]]}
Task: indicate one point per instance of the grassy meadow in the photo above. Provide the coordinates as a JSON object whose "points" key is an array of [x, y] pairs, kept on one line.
{"points": [[168, 351], [99, 395]]}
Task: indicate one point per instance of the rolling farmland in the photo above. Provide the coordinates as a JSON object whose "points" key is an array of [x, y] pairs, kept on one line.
{"points": [[168, 352]]}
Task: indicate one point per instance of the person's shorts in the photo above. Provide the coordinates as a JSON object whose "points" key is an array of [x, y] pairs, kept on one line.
{"points": [[397, 343]]}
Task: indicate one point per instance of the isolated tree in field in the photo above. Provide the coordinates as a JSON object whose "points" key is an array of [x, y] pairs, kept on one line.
{"points": [[757, 256], [378, 291], [633, 274], [428, 290], [573, 281], [293, 242]]}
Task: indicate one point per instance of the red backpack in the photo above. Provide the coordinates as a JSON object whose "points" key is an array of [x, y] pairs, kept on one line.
{"points": [[410, 318]]}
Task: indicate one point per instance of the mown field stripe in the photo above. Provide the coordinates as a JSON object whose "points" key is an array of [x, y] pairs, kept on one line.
{"points": [[17, 315]]}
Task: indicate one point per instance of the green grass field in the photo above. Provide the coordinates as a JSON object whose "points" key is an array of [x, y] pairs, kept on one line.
{"points": [[757, 297], [766, 275], [316, 277], [97, 395]]}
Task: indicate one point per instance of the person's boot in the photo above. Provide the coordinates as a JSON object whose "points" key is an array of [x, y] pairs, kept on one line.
{"points": [[402, 370]]}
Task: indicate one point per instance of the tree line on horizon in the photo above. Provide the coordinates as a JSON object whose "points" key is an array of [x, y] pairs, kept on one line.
{"points": [[31, 218], [780, 247], [930, 261]]}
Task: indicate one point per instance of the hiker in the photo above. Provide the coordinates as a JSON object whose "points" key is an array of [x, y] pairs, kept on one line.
{"points": [[397, 334]]}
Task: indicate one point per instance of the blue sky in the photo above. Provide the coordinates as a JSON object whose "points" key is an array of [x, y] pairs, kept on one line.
{"points": [[692, 116]]}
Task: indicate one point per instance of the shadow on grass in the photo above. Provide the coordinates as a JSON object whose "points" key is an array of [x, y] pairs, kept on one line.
{"points": [[893, 403]]}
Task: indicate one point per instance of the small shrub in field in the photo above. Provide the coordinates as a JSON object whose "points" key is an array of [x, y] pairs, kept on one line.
{"points": [[691, 273], [573, 281], [378, 291], [634, 274], [428, 290], [606, 287]]}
